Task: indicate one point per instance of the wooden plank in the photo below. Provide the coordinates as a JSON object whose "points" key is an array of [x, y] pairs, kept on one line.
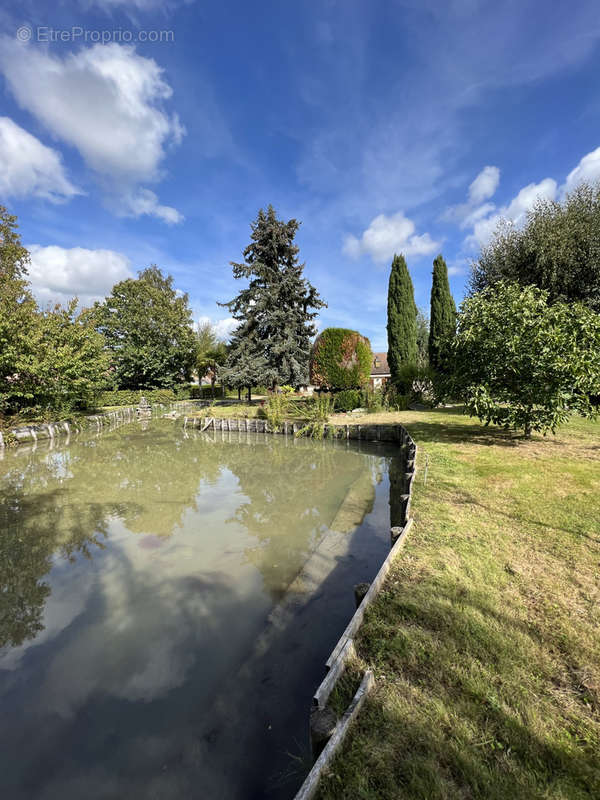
{"points": [[359, 614], [309, 787], [328, 683]]}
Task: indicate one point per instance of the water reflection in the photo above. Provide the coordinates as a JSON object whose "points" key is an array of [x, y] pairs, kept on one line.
{"points": [[138, 571]]}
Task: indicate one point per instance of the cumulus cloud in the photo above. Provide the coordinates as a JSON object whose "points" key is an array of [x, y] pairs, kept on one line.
{"points": [[108, 102], [515, 212], [484, 186], [386, 236], [57, 274], [481, 189], [588, 170], [28, 167], [223, 327]]}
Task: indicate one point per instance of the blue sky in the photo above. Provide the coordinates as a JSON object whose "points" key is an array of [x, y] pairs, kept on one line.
{"points": [[383, 126]]}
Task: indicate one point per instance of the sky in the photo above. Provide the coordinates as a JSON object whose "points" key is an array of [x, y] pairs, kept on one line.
{"points": [[138, 132]]}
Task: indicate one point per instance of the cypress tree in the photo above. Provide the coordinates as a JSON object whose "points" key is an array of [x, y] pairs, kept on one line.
{"points": [[443, 313], [402, 319]]}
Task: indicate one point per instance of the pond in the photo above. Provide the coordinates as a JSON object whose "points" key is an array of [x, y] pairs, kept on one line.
{"points": [[168, 600]]}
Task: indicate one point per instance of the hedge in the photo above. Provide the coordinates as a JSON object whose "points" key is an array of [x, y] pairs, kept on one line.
{"points": [[340, 359]]}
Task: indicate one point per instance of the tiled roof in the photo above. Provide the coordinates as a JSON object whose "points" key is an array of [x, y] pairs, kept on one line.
{"points": [[379, 365]]}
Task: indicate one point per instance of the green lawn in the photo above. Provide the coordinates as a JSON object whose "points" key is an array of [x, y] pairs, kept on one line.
{"points": [[485, 640]]}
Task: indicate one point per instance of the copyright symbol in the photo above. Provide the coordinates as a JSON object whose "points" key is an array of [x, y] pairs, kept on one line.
{"points": [[24, 33]]}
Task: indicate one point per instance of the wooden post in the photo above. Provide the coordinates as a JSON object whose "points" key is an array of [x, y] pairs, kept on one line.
{"points": [[360, 591], [323, 723]]}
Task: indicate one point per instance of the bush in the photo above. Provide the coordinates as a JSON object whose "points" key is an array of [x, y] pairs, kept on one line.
{"points": [[347, 400], [340, 359], [131, 397], [394, 400], [416, 382]]}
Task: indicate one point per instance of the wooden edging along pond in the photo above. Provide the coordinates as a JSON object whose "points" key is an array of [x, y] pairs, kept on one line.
{"points": [[328, 732]]}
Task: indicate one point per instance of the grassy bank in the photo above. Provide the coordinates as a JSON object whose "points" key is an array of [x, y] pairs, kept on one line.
{"points": [[486, 638]]}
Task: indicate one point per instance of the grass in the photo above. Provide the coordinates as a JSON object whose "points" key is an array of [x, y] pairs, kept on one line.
{"points": [[485, 640]]}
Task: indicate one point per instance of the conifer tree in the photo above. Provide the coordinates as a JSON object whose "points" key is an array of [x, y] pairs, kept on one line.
{"points": [[402, 319], [271, 344], [443, 313]]}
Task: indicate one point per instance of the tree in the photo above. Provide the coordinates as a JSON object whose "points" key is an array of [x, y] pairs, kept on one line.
{"points": [[18, 319], [522, 362], [148, 330], [272, 342], [443, 314], [340, 359], [402, 319], [558, 249], [422, 338], [210, 353], [72, 364]]}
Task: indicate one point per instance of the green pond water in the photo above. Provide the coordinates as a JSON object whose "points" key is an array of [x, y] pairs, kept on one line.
{"points": [[167, 602]]}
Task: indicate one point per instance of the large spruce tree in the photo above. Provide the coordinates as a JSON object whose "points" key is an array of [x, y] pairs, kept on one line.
{"points": [[442, 322], [402, 319], [271, 344]]}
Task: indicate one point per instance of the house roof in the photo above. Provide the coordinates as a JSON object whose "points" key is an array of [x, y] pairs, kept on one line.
{"points": [[379, 365]]}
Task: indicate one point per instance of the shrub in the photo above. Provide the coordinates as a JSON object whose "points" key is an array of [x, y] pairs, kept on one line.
{"points": [[340, 359], [416, 382], [520, 362], [347, 400], [317, 412]]}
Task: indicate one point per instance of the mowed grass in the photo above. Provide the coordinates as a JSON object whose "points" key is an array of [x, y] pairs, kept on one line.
{"points": [[485, 640]]}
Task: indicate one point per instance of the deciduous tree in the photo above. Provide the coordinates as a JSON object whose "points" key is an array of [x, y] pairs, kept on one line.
{"points": [[522, 362], [147, 325]]}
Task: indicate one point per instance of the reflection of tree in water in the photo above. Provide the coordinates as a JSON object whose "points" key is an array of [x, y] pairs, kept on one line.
{"points": [[294, 491], [60, 501]]}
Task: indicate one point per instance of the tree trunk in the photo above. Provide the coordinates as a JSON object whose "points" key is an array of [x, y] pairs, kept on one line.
{"points": [[239, 393], [528, 430], [249, 395], [212, 386]]}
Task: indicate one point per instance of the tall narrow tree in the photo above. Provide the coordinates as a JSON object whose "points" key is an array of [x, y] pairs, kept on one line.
{"points": [[443, 313], [271, 345], [402, 319]]}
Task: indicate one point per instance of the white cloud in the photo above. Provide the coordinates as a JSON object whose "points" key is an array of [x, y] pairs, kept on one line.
{"points": [[57, 274], [386, 236], [515, 212], [484, 186], [223, 327], [28, 167], [587, 170], [106, 101], [144, 201]]}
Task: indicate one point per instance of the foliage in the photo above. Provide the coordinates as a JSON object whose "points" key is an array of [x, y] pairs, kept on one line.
{"points": [[443, 314], [210, 353], [51, 360], [374, 400], [148, 330], [71, 364], [272, 342], [340, 359], [348, 400], [558, 249], [131, 397], [520, 362], [401, 318], [276, 409], [422, 338], [316, 412], [416, 383], [394, 399]]}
